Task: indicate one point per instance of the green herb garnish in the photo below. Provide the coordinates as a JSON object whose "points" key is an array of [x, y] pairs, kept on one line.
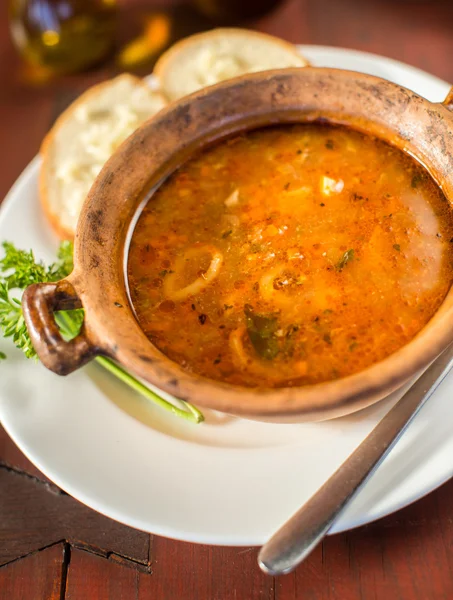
{"points": [[19, 269], [12, 322], [261, 329], [347, 256], [397, 247]]}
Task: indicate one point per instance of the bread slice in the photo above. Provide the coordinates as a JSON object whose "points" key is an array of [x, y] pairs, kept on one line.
{"points": [[207, 58], [83, 138]]}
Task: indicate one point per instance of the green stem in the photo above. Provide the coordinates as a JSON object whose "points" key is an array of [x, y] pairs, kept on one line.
{"points": [[190, 413]]}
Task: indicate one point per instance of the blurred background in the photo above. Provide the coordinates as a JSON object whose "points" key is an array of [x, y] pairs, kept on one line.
{"points": [[52, 50]]}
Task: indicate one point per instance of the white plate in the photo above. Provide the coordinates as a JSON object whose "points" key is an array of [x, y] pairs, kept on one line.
{"points": [[228, 481]]}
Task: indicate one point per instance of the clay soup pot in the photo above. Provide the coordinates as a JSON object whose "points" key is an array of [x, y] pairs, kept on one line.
{"points": [[155, 150]]}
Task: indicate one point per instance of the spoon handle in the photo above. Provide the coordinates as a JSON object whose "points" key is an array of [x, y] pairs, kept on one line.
{"points": [[294, 541]]}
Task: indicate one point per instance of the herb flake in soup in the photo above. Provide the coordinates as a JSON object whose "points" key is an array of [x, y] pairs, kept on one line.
{"points": [[290, 255]]}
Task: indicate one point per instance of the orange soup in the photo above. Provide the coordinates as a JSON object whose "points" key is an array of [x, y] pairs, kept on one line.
{"points": [[289, 256]]}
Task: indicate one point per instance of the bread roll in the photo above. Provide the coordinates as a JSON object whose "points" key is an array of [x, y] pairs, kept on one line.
{"points": [[208, 58], [83, 138]]}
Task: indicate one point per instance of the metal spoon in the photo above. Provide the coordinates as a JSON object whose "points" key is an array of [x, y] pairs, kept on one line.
{"points": [[294, 541]]}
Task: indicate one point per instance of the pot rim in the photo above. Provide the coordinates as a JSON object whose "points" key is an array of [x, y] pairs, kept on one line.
{"points": [[364, 102]]}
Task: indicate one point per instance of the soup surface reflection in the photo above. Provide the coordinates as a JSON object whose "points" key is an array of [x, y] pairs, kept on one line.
{"points": [[290, 256]]}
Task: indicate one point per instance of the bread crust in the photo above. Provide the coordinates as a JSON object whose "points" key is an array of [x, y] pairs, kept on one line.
{"points": [[163, 66], [54, 219]]}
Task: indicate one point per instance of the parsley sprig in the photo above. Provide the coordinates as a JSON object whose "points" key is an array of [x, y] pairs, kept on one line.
{"points": [[18, 269]]}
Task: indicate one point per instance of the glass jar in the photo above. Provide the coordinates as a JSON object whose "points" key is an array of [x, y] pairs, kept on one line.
{"points": [[63, 35]]}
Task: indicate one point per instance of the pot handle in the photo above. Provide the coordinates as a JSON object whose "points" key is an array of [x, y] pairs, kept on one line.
{"points": [[448, 102], [39, 302]]}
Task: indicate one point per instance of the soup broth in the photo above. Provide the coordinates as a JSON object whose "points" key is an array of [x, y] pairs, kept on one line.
{"points": [[290, 255]]}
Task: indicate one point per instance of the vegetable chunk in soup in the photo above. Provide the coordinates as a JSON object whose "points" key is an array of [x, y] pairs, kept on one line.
{"points": [[289, 256]]}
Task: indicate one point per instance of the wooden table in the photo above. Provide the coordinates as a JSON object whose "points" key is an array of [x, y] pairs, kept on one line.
{"points": [[52, 547]]}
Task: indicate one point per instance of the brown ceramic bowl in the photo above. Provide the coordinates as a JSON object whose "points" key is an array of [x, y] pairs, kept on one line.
{"points": [[98, 282]]}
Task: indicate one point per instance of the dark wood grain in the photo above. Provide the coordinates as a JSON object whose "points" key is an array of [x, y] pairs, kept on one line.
{"points": [[190, 571], [36, 577], [407, 556], [91, 577], [34, 515]]}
